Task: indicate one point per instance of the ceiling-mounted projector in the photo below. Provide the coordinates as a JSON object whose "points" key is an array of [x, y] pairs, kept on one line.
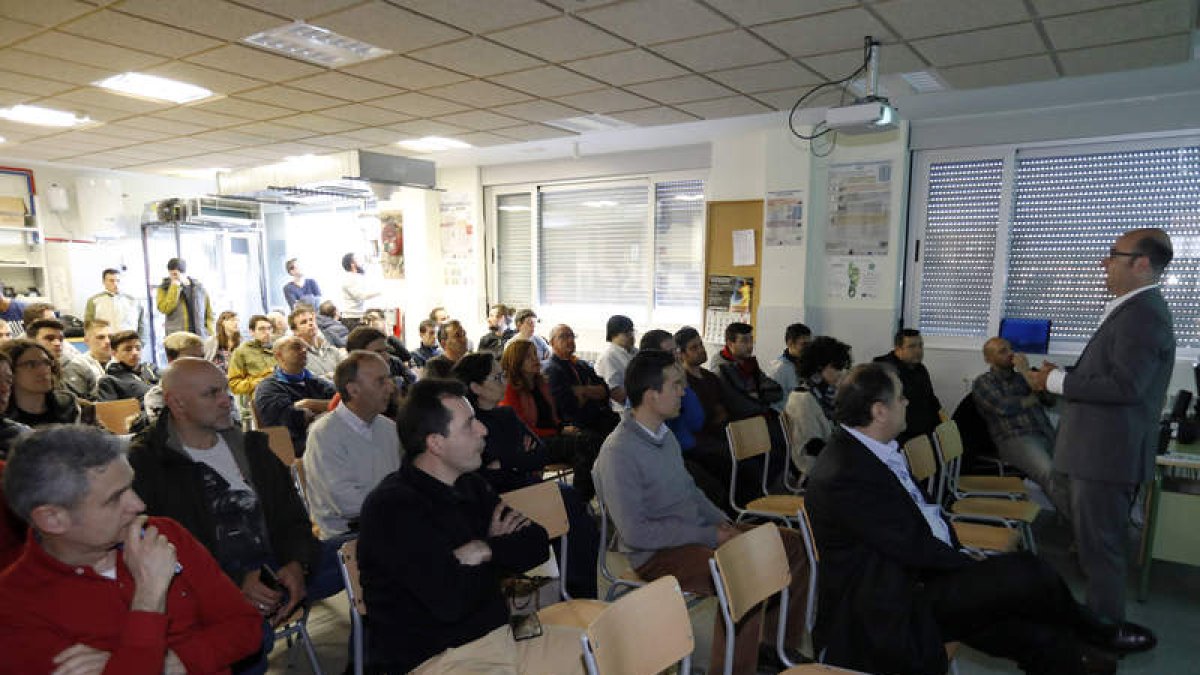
{"points": [[868, 117]]}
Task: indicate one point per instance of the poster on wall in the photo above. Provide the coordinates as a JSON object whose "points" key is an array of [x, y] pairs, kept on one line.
{"points": [[860, 204], [852, 277], [458, 240], [391, 244], [728, 301], [783, 218]]}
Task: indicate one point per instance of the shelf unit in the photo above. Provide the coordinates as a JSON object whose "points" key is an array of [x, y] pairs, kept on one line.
{"points": [[23, 254]]}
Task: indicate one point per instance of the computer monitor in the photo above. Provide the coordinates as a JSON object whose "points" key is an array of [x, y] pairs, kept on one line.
{"points": [[1029, 336]]}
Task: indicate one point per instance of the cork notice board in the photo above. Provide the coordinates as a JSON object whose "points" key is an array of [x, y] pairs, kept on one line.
{"points": [[724, 218]]}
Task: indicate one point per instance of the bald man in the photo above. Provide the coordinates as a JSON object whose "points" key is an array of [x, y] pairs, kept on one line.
{"points": [[292, 396], [1016, 419]]}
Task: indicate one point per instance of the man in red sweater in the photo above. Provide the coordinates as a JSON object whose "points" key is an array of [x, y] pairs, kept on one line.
{"points": [[100, 588]]}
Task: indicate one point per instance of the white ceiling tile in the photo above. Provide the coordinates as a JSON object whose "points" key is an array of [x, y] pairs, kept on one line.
{"points": [[31, 85], [43, 12], [190, 145], [1121, 24], [654, 117], [478, 93], [538, 111], [483, 140], [365, 114], [291, 99], [344, 86], [216, 18], [824, 32], [547, 81], [318, 123], [231, 137], [96, 140], [216, 80], [190, 115], [923, 18], [338, 141], [240, 108], [273, 131], [481, 17], [718, 52], [650, 21], [390, 27], [91, 96], [893, 58], [166, 126], [765, 77], [84, 50], [752, 12], [368, 137], [982, 45], [1056, 7], [254, 63], [733, 106], [96, 112], [623, 68], [479, 120], [534, 132], [418, 128], [680, 89], [136, 33], [784, 99], [606, 101], [103, 160], [419, 105], [8, 98], [476, 57], [12, 30], [135, 130], [1127, 56], [577, 5], [560, 39], [38, 65], [997, 73], [299, 10], [401, 71]]}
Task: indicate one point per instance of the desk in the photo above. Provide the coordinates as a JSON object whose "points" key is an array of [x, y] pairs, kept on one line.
{"points": [[1171, 532]]}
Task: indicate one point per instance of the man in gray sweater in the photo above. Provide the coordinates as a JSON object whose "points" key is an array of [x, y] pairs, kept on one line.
{"points": [[663, 521]]}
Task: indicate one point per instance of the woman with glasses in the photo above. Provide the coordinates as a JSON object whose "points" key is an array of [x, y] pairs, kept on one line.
{"points": [[34, 400], [810, 405]]}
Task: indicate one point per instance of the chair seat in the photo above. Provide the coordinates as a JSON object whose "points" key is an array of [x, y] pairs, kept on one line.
{"points": [[784, 505], [578, 613], [986, 537], [1024, 511], [1005, 484], [631, 575]]}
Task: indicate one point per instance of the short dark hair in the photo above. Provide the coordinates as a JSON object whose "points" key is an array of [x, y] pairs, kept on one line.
{"points": [[328, 309], [733, 330], [260, 317], [177, 264], [616, 325], [645, 372], [123, 337], [287, 266], [796, 331], [471, 369], [108, 271], [50, 466], [866, 385], [347, 370], [524, 314], [439, 367], [433, 312], [33, 312], [426, 325], [362, 336], [424, 413], [299, 309], [1155, 244], [347, 261], [685, 335], [824, 351], [32, 329], [14, 349], [898, 338], [653, 339], [443, 328], [374, 312], [95, 323]]}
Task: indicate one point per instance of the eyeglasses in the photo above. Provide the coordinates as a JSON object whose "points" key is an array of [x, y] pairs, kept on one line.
{"points": [[498, 377], [1114, 253], [34, 364]]}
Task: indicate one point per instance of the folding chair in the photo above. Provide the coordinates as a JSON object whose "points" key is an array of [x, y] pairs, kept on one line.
{"points": [[348, 564], [628, 579], [643, 633], [115, 415], [797, 487], [296, 627], [950, 445], [542, 503], [750, 438]]}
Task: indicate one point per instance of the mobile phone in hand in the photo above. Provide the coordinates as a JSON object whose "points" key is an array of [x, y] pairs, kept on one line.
{"points": [[269, 578], [525, 626]]}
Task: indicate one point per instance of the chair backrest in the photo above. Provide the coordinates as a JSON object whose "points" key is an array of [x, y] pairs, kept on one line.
{"points": [[542, 503], [753, 567], [644, 632], [301, 484], [949, 441], [280, 441], [749, 437], [921, 461], [348, 563], [114, 415]]}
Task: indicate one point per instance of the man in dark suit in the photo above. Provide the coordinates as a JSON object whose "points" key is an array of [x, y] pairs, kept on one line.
{"points": [[1108, 432], [924, 408], [894, 585]]}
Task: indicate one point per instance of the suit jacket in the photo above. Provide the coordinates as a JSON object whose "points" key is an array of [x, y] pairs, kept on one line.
{"points": [[1115, 392], [922, 415], [875, 548]]}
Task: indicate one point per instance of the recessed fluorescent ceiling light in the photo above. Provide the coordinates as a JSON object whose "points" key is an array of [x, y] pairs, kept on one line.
{"points": [[315, 44], [46, 117], [433, 144], [154, 87]]}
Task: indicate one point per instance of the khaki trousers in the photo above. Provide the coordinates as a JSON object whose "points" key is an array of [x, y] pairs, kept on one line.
{"points": [[556, 652]]}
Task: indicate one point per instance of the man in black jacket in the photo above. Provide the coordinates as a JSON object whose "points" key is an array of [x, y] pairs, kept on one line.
{"points": [[924, 408], [894, 584]]}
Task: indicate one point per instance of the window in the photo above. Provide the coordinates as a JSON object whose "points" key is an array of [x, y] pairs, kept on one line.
{"points": [[1022, 233], [514, 226]]}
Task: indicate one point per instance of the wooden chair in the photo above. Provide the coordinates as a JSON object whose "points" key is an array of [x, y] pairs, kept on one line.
{"points": [[643, 633], [747, 570], [797, 487], [542, 503], [348, 564], [750, 438], [627, 580], [280, 441], [950, 445], [116, 415]]}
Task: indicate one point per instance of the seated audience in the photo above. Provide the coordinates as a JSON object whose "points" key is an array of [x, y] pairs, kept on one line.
{"points": [[514, 457], [175, 345], [13, 530], [707, 385], [279, 324], [35, 401], [6, 332], [372, 340], [745, 389], [252, 361], [498, 332], [231, 492], [527, 322], [322, 356], [12, 311], [82, 374], [328, 321], [434, 541], [37, 311], [292, 396], [429, 345], [894, 585], [1016, 420], [126, 376], [810, 405], [580, 395], [439, 315], [9, 430], [785, 368], [528, 394], [49, 334], [615, 358], [226, 337], [453, 340], [664, 522], [351, 449], [924, 409], [375, 318], [299, 289], [100, 587]]}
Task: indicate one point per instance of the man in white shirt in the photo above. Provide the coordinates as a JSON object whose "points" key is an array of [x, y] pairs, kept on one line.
{"points": [[352, 449], [355, 290], [121, 310], [615, 359], [83, 373]]}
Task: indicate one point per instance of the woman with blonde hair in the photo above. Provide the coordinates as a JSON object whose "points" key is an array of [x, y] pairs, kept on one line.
{"points": [[224, 340]]}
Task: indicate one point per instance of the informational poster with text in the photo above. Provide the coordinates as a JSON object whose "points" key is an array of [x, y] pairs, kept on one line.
{"points": [[860, 209]]}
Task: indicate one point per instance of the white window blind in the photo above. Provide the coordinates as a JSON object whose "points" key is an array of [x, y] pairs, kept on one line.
{"points": [[514, 256], [679, 244]]}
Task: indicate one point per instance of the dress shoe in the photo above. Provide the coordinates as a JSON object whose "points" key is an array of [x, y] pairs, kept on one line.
{"points": [[1129, 637]]}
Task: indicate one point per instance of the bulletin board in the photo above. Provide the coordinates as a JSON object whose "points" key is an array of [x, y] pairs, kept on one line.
{"points": [[724, 219]]}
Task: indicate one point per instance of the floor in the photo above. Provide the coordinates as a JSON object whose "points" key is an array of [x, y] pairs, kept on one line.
{"points": [[1172, 610]]}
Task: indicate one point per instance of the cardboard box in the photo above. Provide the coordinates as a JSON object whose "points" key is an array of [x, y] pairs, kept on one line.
{"points": [[13, 211]]}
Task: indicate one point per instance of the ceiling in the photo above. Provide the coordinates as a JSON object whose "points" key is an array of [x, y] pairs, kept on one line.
{"points": [[491, 72]]}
